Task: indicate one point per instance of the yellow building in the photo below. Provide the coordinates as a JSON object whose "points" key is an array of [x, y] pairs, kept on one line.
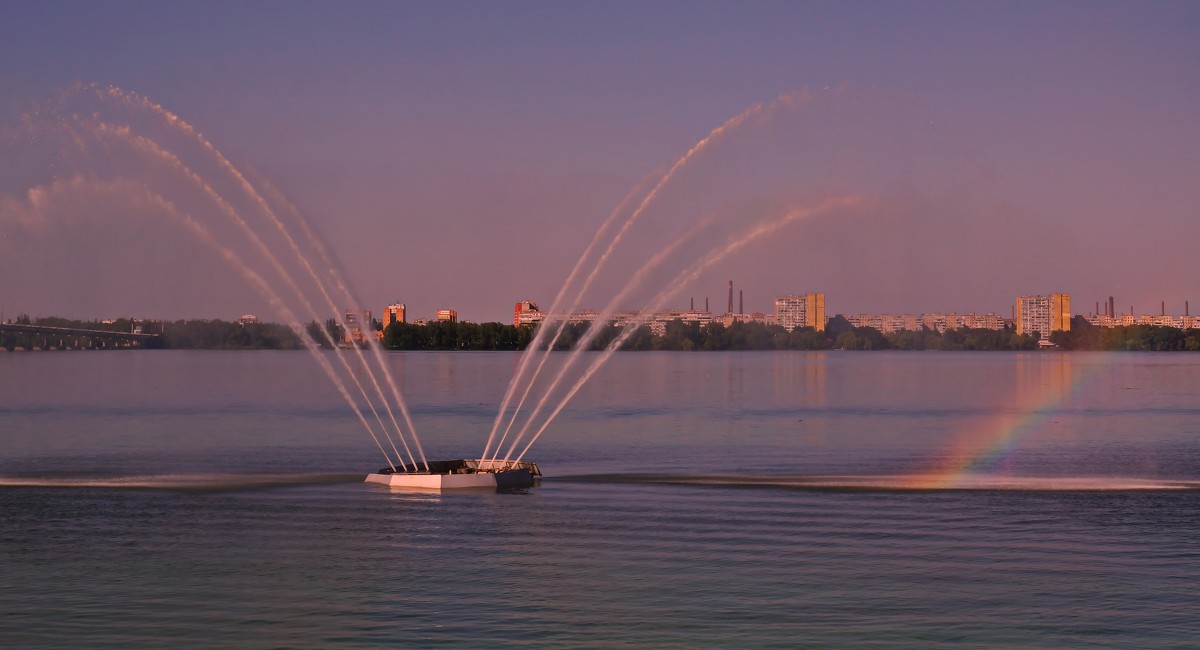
{"points": [[806, 310], [1044, 314], [447, 316], [394, 314]]}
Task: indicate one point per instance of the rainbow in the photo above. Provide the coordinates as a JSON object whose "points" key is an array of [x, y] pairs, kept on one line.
{"points": [[986, 446]]}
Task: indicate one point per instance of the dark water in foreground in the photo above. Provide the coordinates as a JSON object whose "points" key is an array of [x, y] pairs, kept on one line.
{"points": [[716, 500]]}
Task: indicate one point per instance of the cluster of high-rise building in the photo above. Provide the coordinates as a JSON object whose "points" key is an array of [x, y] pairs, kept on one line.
{"points": [[1032, 313], [398, 313], [358, 324], [1043, 314]]}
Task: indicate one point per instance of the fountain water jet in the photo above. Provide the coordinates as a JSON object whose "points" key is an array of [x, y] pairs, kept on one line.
{"points": [[79, 136], [540, 335], [868, 175], [379, 393], [152, 149], [681, 281], [787, 100], [331, 265], [128, 189], [175, 121]]}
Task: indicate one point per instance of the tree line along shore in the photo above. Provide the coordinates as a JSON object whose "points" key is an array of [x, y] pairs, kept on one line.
{"points": [[678, 336]]}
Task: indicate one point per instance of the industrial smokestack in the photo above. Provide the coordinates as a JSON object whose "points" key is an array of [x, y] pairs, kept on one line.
{"points": [[1111, 308], [693, 307], [741, 305], [705, 303], [1164, 308], [1097, 312], [1185, 308], [730, 310]]}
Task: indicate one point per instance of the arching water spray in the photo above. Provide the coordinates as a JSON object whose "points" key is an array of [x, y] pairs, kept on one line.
{"points": [[540, 335], [342, 286], [174, 121], [681, 281], [584, 343], [75, 135], [128, 190], [787, 101], [149, 148]]}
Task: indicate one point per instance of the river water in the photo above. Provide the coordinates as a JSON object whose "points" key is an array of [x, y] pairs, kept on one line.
{"points": [[833, 499]]}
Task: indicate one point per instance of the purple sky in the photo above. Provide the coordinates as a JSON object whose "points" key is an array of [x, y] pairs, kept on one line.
{"points": [[462, 155]]}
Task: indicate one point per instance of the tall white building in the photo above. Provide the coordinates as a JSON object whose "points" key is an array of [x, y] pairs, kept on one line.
{"points": [[1044, 314], [806, 310]]}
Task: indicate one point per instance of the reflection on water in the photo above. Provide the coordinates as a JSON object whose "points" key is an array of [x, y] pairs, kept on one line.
{"points": [[896, 483], [941, 415], [209, 482], [691, 500]]}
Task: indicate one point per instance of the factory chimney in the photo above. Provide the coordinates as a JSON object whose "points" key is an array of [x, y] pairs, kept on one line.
{"points": [[730, 310], [741, 305]]}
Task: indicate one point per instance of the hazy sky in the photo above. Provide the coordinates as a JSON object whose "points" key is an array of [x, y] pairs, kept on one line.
{"points": [[462, 154]]}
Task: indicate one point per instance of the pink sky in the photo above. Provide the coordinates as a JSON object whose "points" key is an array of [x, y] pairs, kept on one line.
{"points": [[463, 155]]}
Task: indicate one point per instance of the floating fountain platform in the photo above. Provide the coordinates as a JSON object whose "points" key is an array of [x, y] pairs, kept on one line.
{"points": [[459, 474]]}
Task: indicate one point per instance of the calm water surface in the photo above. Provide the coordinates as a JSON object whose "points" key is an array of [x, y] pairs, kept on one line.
{"points": [[156, 498]]}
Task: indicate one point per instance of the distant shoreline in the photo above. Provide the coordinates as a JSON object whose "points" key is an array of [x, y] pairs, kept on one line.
{"points": [[1047, 350], [674, 336]]}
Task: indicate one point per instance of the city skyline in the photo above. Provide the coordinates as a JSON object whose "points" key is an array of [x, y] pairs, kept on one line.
{"points": [[455, 152], [399, 310]]}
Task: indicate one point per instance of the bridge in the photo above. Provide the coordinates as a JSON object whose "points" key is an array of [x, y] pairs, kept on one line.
{"points": [[70, 338]]}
